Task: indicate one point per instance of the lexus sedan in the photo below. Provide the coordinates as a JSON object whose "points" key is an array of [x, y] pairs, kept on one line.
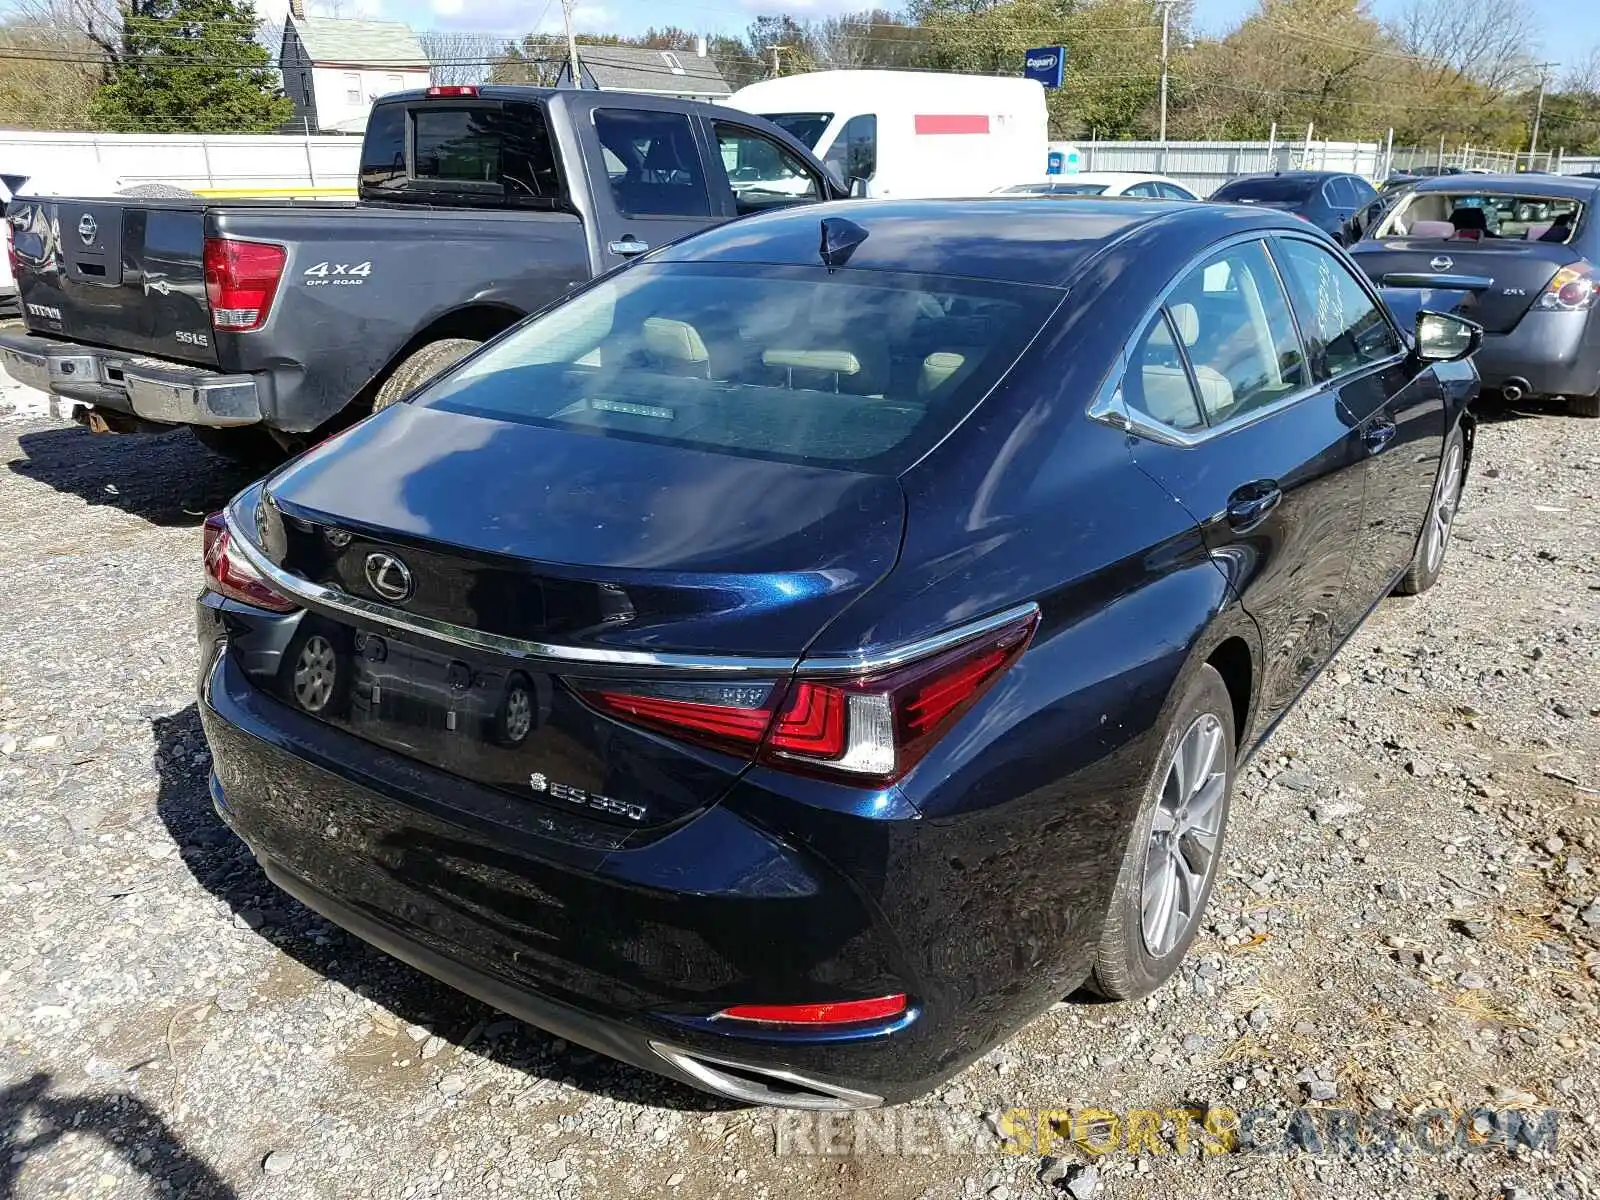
{"points": [[794, 661], [1519, 255]]}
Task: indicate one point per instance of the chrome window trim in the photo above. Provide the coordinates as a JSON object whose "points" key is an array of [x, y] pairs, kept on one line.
{"points": [[317, 596], [1110, 408]]}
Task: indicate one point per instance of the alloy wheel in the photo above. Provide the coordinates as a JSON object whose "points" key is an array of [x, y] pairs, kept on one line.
{"points": [[315, 673], [1185, 836], [1442, 513]]}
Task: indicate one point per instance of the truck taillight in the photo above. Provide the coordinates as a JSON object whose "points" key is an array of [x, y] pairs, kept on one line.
{"points": [[241, 281], [453, 89], [867, 730], [229, 575]]}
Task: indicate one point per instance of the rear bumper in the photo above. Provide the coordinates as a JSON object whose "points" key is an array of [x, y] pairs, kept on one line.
{"points": [[156, 390], [1551, 353], [627, 949]]}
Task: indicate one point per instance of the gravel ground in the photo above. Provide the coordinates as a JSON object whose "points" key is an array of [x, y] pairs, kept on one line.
{"points": [[1409, 918]]}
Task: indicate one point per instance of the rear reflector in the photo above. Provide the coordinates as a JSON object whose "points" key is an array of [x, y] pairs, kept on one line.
{"points": [[229, 575], [453, 89], [838, 1012], [241, 281], [869, 730]]}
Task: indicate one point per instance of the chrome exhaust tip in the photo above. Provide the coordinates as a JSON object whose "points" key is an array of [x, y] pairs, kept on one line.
{"points": [[771, 1086]]}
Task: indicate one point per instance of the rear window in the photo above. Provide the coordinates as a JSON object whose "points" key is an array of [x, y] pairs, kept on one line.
{"points": [[1469, 215], [858, 370], [506, 147], [1266, 191], [805, 127]]}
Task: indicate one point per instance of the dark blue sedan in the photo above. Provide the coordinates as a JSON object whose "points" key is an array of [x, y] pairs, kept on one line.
{"points": [[793, 662]]}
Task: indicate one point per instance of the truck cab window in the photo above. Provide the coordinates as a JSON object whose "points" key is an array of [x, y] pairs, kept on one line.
{"points": [[661, 171], [761, 172], [383, 152], [507, 146], [854, 153]]}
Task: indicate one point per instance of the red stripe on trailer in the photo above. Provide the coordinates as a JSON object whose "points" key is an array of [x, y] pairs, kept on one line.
{"points": [[951, 123]]}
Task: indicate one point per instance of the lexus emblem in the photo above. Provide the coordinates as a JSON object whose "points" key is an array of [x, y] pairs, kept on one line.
{"points": [[1442, 263], [87, 228], [388, 576]]}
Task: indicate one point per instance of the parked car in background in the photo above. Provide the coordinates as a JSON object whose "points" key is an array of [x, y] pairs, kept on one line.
{"points": [[907, 134], [1521, 253], [1327, 199], [1106, 183], [731, 669], [262, 325]]}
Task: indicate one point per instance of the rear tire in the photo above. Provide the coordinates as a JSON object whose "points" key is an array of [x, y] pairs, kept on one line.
{"points": [[248, 445], [1584, 406], [1175, 849], [421, 365], [1427, 560]]}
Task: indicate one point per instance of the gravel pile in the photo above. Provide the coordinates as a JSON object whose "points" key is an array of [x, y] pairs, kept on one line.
{"points": [[1410, 920]]}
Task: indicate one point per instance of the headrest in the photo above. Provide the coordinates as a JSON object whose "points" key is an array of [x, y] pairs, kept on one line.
{"points": [[675, 340], [839, 362], [1187, 319], [1467, 217], [937, 369], [1432, 229]]}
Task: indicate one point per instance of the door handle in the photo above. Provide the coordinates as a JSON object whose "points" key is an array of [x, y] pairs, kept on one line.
{"points": [[1253, 504], [1379, 436], [627, 245]]}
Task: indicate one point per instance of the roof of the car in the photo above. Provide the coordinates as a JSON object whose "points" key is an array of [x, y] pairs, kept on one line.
{"points": [[1512, 185], [1013, 239], [1308, 176]]}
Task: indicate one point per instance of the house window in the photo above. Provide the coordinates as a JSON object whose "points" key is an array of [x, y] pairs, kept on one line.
{"points": [[352, 88]]}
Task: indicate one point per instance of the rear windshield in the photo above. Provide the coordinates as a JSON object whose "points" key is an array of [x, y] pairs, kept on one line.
{"points": [[806, 127], [1266, 191], [1467, 215], [857, 370]]}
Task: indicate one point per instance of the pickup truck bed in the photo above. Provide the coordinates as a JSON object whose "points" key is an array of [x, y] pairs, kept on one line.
{"points": [[478, 206]]}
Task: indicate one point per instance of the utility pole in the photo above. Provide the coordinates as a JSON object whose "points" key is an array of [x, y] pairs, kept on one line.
{"points": [[572, 44], [1166, 22], [1538, 112]]}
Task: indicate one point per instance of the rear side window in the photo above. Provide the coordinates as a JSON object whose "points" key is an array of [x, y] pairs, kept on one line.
{"points": [[854, 369], [383, 150], [504, 147], [652, 163], [1344, 330], [1157, 382]]}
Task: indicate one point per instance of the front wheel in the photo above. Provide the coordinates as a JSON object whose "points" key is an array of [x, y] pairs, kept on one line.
{"points": [[1173, 854], [1427, 561]]}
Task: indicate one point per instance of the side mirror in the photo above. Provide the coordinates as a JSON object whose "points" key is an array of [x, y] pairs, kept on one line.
{"points": [[858, 188], [1442, 337]]}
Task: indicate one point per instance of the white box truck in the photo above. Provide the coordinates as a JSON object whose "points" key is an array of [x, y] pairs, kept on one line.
{"points": [[912, 134]]}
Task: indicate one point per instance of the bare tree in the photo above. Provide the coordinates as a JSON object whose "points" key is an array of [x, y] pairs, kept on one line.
{"points": [[1491, 43], [1583, 76], [458, 57]]}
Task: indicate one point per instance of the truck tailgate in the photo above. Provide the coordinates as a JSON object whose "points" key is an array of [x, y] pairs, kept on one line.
{"points": [[124, 274]]}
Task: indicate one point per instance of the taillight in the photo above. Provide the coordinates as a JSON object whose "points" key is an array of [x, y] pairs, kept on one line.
{"points": [[1573, 289], [836, 1012], [453, 89], [241, 281], [229, 575], [869, 729]]}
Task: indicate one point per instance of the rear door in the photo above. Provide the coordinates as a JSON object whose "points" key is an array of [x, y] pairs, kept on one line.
{"points": [[126, 274], [649, 176], [1355, 350], [1266, 461]]}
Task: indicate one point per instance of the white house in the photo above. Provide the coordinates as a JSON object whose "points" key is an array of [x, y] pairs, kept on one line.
{"points": [[333, 70]]}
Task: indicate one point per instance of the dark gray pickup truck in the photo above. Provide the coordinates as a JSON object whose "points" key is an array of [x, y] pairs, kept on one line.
{"points": [[262, 325]]}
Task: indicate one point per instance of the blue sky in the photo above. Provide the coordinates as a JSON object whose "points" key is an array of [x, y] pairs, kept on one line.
{"points": [[1569, 27]]}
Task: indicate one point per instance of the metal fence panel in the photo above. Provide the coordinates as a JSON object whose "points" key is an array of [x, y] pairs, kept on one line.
{"points": [[1205, 166]]}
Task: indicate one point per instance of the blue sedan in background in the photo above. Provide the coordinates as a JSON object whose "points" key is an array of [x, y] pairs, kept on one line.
{"points": [[794, 661]]}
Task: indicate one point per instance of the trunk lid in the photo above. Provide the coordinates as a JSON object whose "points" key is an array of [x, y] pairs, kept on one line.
{"points": [[123, 274], [572, 539], [1502, 277]]}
